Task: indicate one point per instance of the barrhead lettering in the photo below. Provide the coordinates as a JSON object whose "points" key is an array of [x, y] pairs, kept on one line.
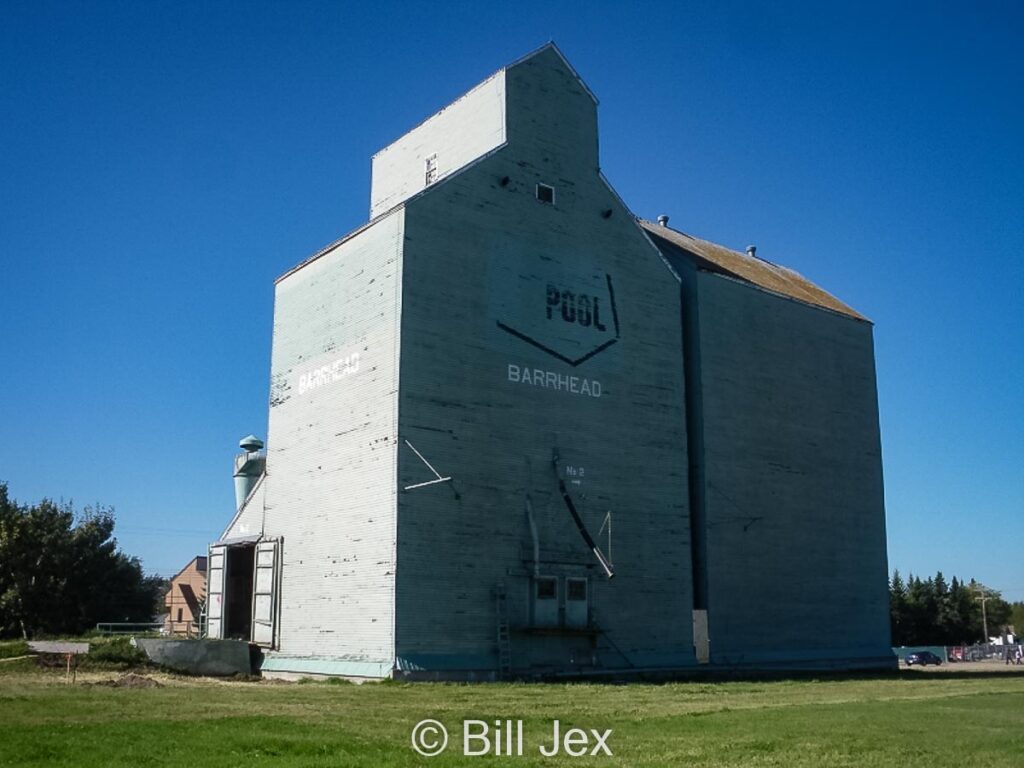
{"points": [[561, 382], [326, 374]]}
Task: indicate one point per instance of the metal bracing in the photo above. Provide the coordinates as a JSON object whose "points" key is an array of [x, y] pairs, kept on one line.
{"points": [[437, 475]]}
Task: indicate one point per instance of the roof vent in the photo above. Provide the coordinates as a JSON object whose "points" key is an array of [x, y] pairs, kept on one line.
{"points": [[250, 443], [663, 220], [752, 251]]}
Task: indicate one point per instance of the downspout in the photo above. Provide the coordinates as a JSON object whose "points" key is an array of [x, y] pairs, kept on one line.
{"points": [[608, 570]]}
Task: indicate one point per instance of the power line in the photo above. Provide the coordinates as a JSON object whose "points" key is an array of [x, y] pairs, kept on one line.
{"points": [[183, 531]]}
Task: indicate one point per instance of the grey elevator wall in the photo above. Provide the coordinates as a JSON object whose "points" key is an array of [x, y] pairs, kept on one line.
{"points": [[604, 391], [331, 448], [794, 505]]}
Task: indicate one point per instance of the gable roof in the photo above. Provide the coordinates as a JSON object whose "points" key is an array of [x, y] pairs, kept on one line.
{"points": [[764, 274], [199, 560], [550, 46]]}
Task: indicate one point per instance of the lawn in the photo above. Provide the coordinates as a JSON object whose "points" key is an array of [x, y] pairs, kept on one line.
{"points": [[913, 719]]}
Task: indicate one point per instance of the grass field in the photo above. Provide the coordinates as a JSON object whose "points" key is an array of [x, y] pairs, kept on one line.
{"points": [[917, 718]]}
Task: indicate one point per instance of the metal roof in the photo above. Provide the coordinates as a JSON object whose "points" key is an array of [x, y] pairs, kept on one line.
{"points": [[750, 269]]}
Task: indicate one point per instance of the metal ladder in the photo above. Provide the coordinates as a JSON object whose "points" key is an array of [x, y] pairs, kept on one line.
{"points": [[504, 642]]}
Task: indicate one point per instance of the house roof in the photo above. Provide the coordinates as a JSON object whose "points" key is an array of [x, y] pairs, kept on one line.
{"points": [[199, 560], [750, 269]]}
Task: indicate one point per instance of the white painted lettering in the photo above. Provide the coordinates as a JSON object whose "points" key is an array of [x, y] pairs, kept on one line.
{"points": [[560, 382], [325, 374]]}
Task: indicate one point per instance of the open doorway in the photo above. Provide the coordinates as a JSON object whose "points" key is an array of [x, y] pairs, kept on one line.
{"points": [[238, 592], [242, 591]]}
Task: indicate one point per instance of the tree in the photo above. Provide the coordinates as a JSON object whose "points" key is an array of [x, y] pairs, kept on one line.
{"points": [[61, 573], [920, 604], [1017, 617], [898, 609], [997, 610], [930, 612], [961, 606]]}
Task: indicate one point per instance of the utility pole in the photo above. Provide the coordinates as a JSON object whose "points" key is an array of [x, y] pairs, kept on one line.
{"points": [[984, 616]]}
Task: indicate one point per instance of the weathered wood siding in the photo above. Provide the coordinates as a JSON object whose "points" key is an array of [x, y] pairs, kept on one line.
{"points": [[458, 134], [331, 447], [480, 254], [795, 511], [249, 520], [428, 370]]}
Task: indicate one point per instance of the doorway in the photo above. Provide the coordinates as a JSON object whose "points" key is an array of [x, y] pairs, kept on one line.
{"points": [[238, 592]]}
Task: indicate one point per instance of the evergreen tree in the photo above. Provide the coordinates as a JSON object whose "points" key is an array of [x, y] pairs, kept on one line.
{"points": [[932, 612], [898, 609]]}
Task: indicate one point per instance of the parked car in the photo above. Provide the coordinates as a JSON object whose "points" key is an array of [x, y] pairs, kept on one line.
{"points": [[923, 659]]}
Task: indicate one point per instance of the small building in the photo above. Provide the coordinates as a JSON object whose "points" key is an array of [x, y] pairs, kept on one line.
{"points": [[185, 598], [515, 430]]}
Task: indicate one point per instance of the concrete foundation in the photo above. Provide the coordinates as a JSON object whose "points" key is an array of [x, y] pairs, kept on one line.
{"points": [[216, 658]]}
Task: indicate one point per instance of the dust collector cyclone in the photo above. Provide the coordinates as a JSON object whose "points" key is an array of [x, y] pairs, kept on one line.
{"points": [[249, 467]]}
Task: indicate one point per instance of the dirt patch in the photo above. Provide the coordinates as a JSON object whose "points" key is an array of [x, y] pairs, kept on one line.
{"points": [[130, 681]]}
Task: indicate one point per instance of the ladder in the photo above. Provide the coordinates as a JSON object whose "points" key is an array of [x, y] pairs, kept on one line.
{"points": [[504, 642]]}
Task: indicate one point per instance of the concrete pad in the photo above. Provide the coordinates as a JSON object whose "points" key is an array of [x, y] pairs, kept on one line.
{"points": [[48, 646], [217, 658]]}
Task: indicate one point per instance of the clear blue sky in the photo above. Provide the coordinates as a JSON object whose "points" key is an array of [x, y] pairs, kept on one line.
{"points": [[162, 163]]}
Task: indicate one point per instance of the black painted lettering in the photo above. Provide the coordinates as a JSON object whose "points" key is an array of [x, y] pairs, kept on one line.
{"points": [[580, 308], [554, 298], [597, 315], [568, 306], [583, 316]]}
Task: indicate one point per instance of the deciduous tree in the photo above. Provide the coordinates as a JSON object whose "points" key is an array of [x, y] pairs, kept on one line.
{"points": [[61, 573]]}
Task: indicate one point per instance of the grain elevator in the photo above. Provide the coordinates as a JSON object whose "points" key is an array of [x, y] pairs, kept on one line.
{"points": [[516, 431]]}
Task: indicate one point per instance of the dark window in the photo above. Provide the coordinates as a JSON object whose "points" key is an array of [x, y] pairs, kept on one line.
{"points": [[547, 589], [179, 614], [576, 589], [546, 194]]}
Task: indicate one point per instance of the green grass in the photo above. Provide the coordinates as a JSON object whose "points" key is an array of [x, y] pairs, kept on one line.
{"points": [[914, 719], [112, 653], [10, 649]]}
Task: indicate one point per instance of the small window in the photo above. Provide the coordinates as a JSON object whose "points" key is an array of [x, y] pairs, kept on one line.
{"points": [[576, 589], [430, 175], [547, 589], [546, 194], [179, 614]]}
